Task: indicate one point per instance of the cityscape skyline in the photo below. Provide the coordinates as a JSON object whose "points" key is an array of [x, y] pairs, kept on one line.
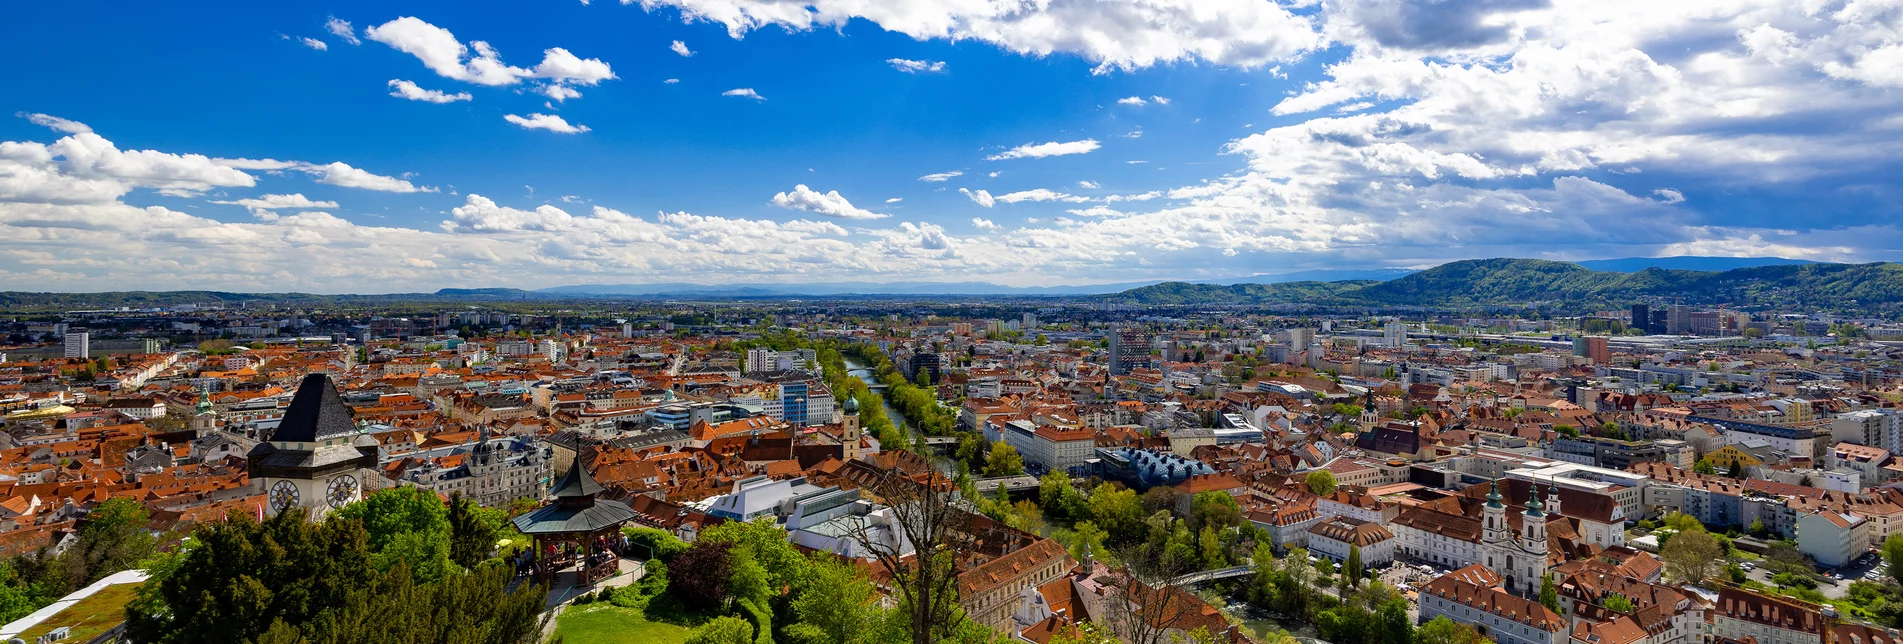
{"points": [[348, 148]]}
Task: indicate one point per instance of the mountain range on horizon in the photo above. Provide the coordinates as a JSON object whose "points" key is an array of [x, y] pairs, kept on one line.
{"points": [[1621, 265], [1488, 281]]}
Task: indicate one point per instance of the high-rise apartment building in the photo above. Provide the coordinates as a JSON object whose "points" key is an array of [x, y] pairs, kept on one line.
{"points": [[1678, 319], [1642, 317], [1593, 347], [1129, 349], [79, 344]]}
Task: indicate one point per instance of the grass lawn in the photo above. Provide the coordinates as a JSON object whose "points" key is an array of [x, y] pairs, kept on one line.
{"points": [[89, 617], [602, 622]]}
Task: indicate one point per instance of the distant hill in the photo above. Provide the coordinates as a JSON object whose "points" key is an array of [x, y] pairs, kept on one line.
{"points": [[1876, 288], [1321, 275], [832, 288], [1685, 263]]}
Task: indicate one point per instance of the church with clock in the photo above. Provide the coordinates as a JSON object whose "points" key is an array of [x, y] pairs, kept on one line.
{"points": [[316, 459]]}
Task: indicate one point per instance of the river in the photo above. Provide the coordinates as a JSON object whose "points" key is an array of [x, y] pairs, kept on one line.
{"points": [[865, 375]]}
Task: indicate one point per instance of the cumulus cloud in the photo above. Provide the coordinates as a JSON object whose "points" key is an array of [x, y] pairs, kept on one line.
{"points": [[342, 30], [979, 197], [985, 225], [1047, 149], [1114, 35], [1132, 100], [550, 122], [409, 90], [744, 92], [670, 81], [314, 43], [480, 63], [916, 66], [271, 202], [680, 48], [830, 203], [940, 177], [56, 123], [1040, 194], [1088, 185]]}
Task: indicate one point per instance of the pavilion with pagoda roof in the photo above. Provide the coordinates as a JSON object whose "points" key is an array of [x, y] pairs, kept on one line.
{"points": [[575, 530]]}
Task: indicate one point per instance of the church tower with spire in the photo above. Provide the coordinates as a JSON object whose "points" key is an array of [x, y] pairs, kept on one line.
{"points": [[849, 435], [1493, 529]]}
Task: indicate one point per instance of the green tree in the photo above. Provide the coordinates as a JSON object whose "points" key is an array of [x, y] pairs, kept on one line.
{"points": [[1213, 510], [836, 605], [1893, 556], [1004, 460], [1692, 556], [1353, 569], [1549, 594], [1442, 630], [471, 539], [1321, 482], [1118, 510], [1209, 544], [1059, 498], [113, 538], [1704, 466], [408, 524], [1618, 603], [290, 580], [1088, 543], [722, 630], [654, 542]]}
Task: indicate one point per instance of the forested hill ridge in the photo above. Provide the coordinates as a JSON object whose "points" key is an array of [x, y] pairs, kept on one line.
{"points": [[1873, 288]]}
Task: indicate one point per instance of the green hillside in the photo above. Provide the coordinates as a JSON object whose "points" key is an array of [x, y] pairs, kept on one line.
{"points": [[1871, 288]]}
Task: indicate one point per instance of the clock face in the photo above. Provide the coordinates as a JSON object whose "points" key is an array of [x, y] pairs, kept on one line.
{"points": [[283, 495], [343, 490]]}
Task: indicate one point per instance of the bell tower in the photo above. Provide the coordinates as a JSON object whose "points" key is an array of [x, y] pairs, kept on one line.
{"points": [[849, 436], [1493, 527], [314, 458]]}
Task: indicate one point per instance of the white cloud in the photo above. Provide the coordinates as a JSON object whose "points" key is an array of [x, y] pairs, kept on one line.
{"points": [[940, 177], [1131, 100], [1146, 196], [1047, 149], [342, 29], [830, 203], [1669, 195], [680, 48], [916, 66], [314, 43], [558, 92], [744, 92], [1134, 134], [985, 225], [441, 52], [1114, 35], [1088, 185], [56, 123], [895, 200], [278, 202], [409, 90], [979, 197], [550, 122], [1159, 100], [1040, 194], [670, 81], [342, 174]]}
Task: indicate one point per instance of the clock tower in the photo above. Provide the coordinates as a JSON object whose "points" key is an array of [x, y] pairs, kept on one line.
{"points": [[316, 459]]}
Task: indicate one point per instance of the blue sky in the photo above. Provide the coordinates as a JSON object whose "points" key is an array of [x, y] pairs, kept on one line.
{"points": [[268, 147]]}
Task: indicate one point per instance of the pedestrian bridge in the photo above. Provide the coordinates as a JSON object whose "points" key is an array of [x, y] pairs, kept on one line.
{"points": [[1204, 576]]}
